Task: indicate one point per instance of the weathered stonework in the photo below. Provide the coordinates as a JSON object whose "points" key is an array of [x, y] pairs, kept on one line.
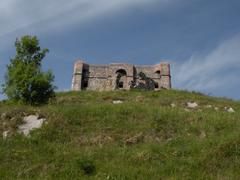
{"points": [[120, 76]]}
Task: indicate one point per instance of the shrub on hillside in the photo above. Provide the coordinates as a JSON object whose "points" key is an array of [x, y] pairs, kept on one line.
{"points": [[87, 166]]}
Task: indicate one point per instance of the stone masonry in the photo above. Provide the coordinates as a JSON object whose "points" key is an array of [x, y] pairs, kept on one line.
{"points": [[120, 76]]}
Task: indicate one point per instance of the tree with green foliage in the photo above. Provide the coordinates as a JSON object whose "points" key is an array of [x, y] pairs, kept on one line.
{"points": [[24, 81]]}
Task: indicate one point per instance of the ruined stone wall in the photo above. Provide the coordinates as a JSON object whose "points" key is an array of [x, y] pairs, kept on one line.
{"points": [[114, 68], [98, 71], [147, 70], [120, 76], [96, 84], [96, 77]]}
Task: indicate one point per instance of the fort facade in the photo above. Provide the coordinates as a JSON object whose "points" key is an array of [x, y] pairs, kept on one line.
{"points": [[120, 76]]}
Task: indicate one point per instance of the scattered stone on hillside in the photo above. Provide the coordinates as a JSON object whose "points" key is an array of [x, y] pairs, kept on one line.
{"points": [[173, 105], [97, 140], [117, 102], [31, 122], [140, 98], [100, 139], [151, 137], [230, 110], [4, 124], [5, 134], [3, 115], [135, 139], [192, 105], [202, 135], [208, 106], [216, 108]]}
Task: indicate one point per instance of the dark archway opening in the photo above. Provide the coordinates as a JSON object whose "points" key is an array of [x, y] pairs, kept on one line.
{"points": [[120, 85], [157, 79], [121, 78], [85, 84], [122, 72], [85, 76], [158, 74]]}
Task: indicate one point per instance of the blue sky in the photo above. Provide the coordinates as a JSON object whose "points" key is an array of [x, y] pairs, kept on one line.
{"points": [[200, 38]]}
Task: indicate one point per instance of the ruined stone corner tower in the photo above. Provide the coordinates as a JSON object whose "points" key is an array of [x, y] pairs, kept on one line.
{"points": [[165, 75], [77, 75]]}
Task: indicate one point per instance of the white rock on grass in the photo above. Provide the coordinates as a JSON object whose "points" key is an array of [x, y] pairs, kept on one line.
{"points": [[216, 108], [192, 105], [173, 105], [30, 123], [208, 106], [231, 110], [117, 102], [5, 134], [202, 135], [3, 115]]}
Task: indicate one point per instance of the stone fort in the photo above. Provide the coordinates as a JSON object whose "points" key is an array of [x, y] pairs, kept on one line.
{"points": [[120, 76]]}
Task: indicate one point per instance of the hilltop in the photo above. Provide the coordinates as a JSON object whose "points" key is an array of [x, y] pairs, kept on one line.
{"points": [[123, 135]]}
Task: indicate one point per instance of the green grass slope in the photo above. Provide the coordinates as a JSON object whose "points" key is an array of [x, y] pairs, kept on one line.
{"points": [[88, 137]]}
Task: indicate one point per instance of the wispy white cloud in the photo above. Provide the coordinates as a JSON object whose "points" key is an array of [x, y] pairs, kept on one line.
{"points": [[15, 14], [18, 18], [214, 72]]}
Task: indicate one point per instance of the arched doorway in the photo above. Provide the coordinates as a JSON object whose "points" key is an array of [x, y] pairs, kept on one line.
{"points": [[121, 79]]}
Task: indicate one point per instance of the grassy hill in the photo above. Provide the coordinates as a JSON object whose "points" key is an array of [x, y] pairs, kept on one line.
{"points": [[88, 137]]}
